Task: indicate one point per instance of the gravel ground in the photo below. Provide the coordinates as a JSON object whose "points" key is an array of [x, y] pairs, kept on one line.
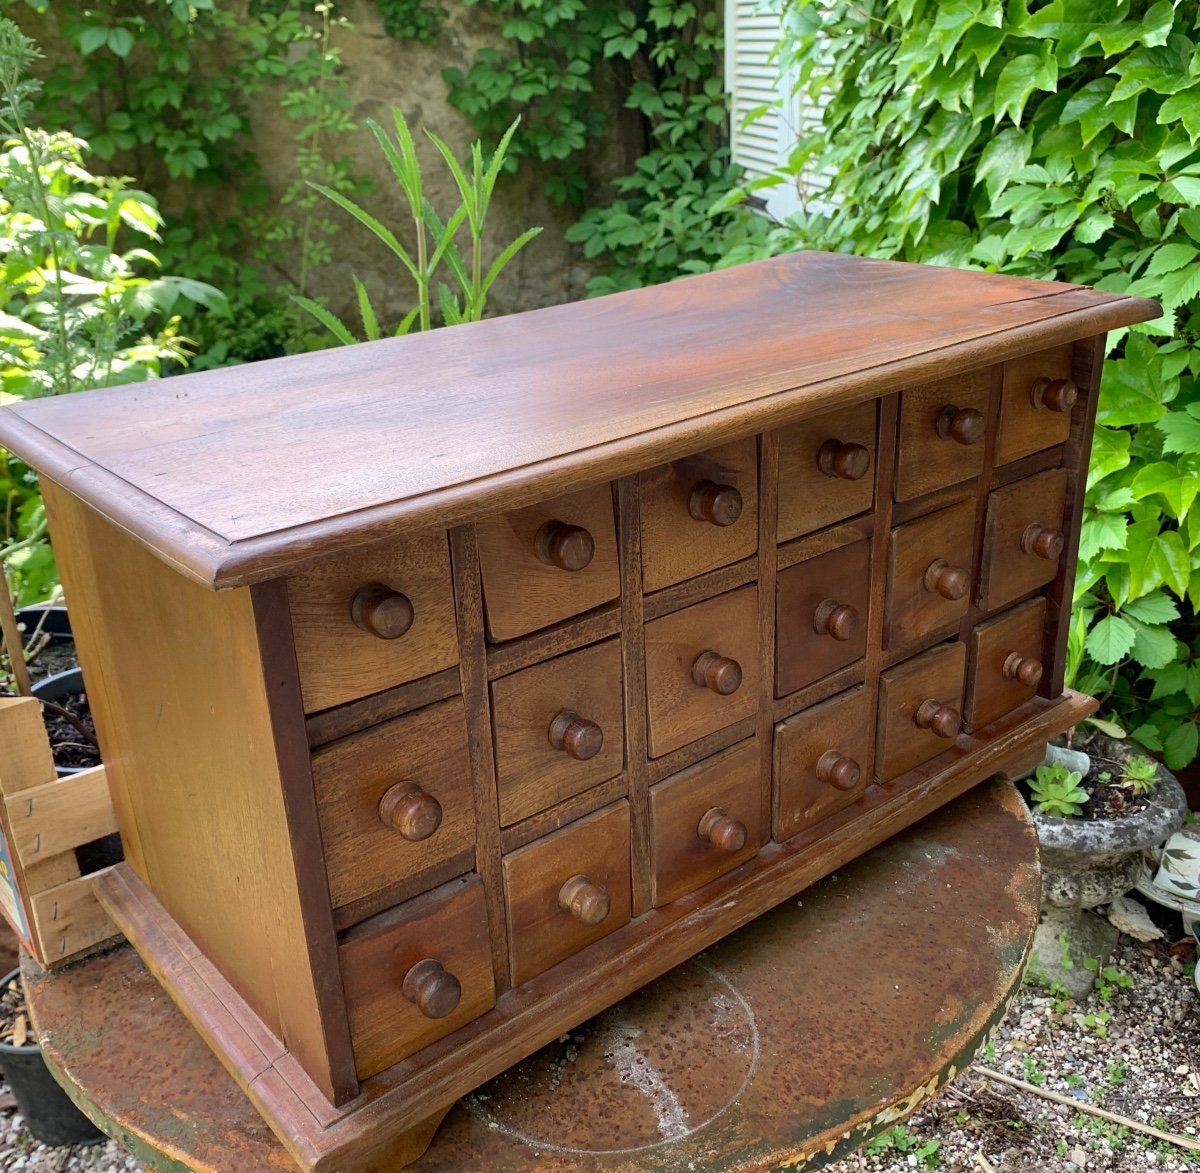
{"points": [[1148, 1068]]}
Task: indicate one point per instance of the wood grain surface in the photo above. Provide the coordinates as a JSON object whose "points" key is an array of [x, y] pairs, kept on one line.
{"points": [[1024, 428], [239, 474]]}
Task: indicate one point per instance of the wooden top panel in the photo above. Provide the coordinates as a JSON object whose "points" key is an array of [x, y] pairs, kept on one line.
{"points": [[238, 475]]}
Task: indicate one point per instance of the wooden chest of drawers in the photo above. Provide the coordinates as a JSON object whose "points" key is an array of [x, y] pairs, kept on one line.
{"points": [[454, 686]]}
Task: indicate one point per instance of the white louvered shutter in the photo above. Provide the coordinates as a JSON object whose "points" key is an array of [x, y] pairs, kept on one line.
{"points": [[752, 28]]}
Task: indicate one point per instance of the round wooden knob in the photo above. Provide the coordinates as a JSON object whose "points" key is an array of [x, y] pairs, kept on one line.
{"points": [[435, 991], [718, 504], [839, 771], [722, 675], [569, 547], [941, 720], [951, 582], [576, 736], [848, 461], [964, 425], [1043, 542], [1054, 395], [408, 809], [585, 901], [839, 620], [381, 611], [722, 831], [1025, 669]]}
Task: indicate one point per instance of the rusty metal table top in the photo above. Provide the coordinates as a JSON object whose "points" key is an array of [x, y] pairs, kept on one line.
{"points": [[789, 1043]]}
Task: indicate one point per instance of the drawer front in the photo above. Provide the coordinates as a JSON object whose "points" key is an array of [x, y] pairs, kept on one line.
{"points": [[823, 760], [371, 619], [943, 429], [1006, 662], [705, 821], [821, 615], [929, 574], [920, 709], [395, 801], [699, 514], [701, 669], [1035, 409], [826, 469], [567, 890], [548, 562], [416, 973], [1024, 539], [559, 729]]}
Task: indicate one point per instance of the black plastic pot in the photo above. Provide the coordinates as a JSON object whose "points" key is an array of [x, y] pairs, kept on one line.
{"points": [[49, 1114], [56, 688], [52, 620]]}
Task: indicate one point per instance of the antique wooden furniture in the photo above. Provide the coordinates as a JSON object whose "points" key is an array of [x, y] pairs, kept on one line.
{"points": [[744, 1068], [452, 687]]}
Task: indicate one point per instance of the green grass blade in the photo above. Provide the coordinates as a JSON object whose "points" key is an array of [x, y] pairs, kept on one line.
{"points": [[365, 218], [400, 165], [328, 320], [465, 188], [369, 320], [407, 321], [506, 256]]}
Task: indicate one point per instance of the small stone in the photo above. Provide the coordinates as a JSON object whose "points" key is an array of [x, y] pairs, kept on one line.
{"points": [[1132, 919], [1079, 1157]]}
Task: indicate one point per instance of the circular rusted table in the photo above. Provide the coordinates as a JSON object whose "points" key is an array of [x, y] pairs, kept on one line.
{"points": [[791, 1042]]}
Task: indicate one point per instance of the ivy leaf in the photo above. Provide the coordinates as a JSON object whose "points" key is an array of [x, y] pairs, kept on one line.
{"points": [[1091, 106], [1153, 647], [1152, 608], [1183, 107], [1171, 257], [1110, 640], [1180, 745], [1177, 485], [1104, 531], [120, 41], [92, 38], [1177, 678], [1005, 154], [1171, 561], [1110, 453], [1018, 79], [1181, 430], [1093, 226], [1162, 69]]}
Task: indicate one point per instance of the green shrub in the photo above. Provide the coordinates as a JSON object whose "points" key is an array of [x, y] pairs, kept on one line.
{"points": [[82, 303], [1060, 140]]}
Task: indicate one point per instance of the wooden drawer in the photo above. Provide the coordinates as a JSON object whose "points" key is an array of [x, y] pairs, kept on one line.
{"points": [[821, 613], [1035, 409], [823, 759], [929, 574], [567, 890], [705, 821], [826, 469], [1023, 539], [1006, 662], [701, 669], [395, 802], [372, 618], [943, 429], [548, 562], [920, 709], [699, 513], [416, 973], [559, 729]]}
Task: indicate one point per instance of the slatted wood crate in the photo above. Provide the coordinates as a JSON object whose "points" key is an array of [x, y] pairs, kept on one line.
{"points": [[44, 819]]}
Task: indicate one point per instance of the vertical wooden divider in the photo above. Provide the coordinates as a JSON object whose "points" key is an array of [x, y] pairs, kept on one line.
{"points": [[1086, 368], [633, 673], [885, 479], [983, 486], [472, 667], [768, 511]]}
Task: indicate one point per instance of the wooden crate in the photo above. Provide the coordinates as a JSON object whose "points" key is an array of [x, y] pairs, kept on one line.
{"points": [[43, 819]]}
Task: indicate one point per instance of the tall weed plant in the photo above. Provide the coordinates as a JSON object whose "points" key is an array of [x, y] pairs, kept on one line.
{"points": [[1057, 140]]}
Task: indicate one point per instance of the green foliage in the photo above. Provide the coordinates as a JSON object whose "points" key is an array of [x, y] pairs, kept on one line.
{"points": [[666, 57], [412, 20], [1056, 791], [435, 240], [1139, 775], [166, 87], [82, 303], [1057, 140], [898, 1139]]}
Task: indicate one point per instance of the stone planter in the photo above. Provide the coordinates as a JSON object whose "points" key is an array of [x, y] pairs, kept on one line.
{"points": [[1086, 863]]}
